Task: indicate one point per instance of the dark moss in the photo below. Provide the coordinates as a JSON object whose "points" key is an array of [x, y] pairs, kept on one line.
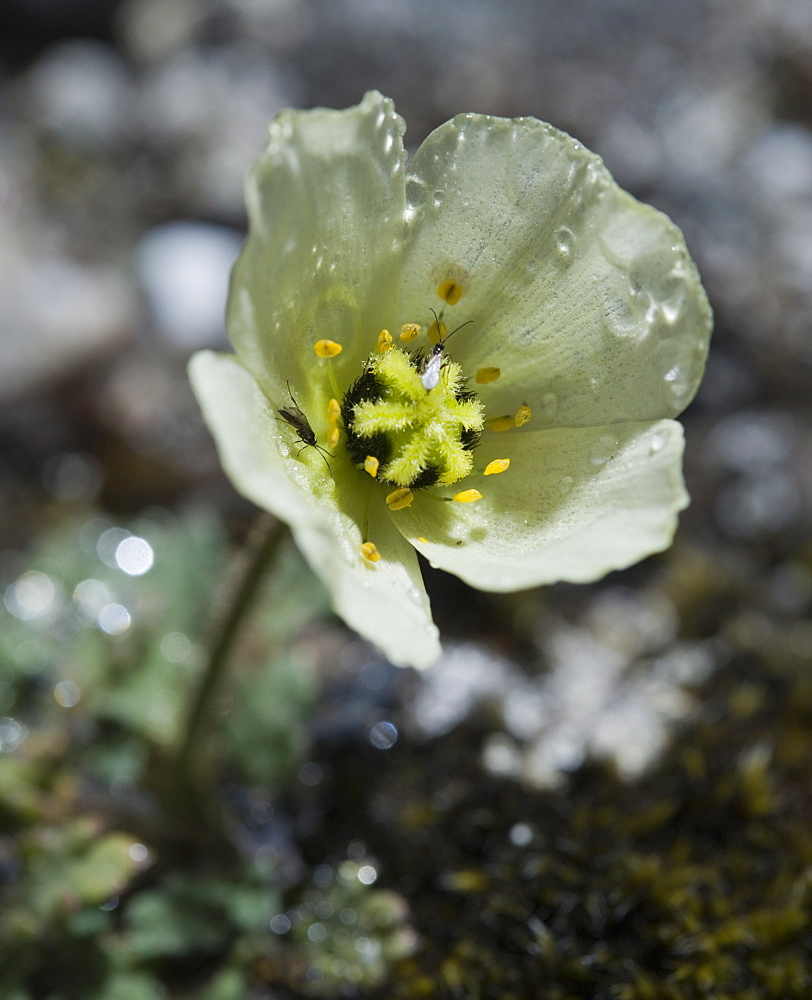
{"points": [[689, 883]]}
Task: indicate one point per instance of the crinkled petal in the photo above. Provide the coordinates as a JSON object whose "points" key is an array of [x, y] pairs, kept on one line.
{"points": [[386, 601], [574, 504], [322, 257], [585, 298]]}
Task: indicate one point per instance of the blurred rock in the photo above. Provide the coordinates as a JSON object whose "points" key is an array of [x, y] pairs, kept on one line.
{"points": [[183, 268], [81, 90]]}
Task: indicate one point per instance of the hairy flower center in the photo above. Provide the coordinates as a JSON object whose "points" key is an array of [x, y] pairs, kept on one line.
{"points": [[412, 415]]}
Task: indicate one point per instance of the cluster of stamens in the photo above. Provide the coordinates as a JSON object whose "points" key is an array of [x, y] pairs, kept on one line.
{"points": [[410, 421]]}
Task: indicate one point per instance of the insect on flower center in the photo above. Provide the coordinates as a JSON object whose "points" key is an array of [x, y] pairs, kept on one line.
{"points": [[413, 413]]}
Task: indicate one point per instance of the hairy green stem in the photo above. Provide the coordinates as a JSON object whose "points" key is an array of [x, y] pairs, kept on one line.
{"points": [[261, 547]]}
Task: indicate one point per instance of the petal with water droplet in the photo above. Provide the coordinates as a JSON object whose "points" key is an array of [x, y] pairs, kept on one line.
{"points": [[521, 199], [559, 514]]}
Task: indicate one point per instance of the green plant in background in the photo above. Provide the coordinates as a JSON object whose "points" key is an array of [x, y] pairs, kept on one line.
{"points": [[546, 450], [106, 868]]}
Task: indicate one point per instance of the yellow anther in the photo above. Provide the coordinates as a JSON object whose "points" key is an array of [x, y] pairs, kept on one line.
{"points": [[485, 375], [496, 466], [450, 291], [468, 496], [409, 331], [500, 423], [437, 331], [327, 348], [420, 538], [371, 465], [370, 552], [398, 499], [332, 437], [523, 414], [384, 341], [333, 411]]}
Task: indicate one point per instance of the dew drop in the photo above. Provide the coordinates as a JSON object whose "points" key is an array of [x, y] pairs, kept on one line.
{"points": [[565, 485], [383, 735], [627, 314], [602, 450], [549, 405], [437, 198], [678, 384], [415, 193], [657, 443], [564, 243]]}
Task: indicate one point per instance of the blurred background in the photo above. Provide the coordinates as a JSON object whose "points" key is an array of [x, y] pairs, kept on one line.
{"points": [[599, 791]]}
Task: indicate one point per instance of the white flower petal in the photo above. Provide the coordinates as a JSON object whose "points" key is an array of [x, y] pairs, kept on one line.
{"points": [[585, 299], [385, 602], [574, 504], [325, 207]]}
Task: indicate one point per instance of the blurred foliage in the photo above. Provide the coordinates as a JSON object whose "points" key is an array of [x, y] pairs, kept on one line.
{"points": [[99, 897]]}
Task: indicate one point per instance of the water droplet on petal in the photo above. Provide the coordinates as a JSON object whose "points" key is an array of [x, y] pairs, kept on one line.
{"points": [[437, 198], [657, 443], [602, 450], [549, 405], [628, 313], [678, 385], [564, 243]]}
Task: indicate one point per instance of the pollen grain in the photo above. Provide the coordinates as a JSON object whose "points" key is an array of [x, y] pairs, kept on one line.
{"points": [[327, 348], [488, 374], [450, 291], [370, 552], [522, 415], [399, 499], [467, 496]]}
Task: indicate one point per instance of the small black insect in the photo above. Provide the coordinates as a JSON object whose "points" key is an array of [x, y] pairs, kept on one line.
{"points": [[430, 373], [292, 415]]}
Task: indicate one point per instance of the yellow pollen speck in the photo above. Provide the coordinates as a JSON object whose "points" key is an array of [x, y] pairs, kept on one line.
{"points": [[371, 465], [333, 411], [468, 496], [496, 466], [450, 291], [327, 348], [370, 552], [420, 538], [384, 341], [523, 414], [500, 423], [437, 331], [332, 437], [398, 499], [485, 375], [409, 331]]}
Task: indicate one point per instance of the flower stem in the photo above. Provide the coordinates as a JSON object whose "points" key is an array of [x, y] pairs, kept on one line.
{"points": [[261, 547]]}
